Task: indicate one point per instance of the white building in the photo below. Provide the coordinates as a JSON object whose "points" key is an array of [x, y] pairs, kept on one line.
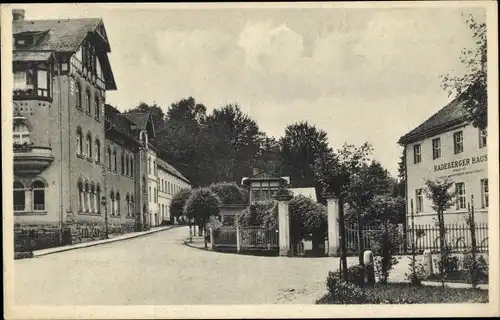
{"points": [[446, 145], [170, 181]]}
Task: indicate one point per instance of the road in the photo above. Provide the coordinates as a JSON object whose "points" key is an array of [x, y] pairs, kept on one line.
{"points": [[158, 269]]}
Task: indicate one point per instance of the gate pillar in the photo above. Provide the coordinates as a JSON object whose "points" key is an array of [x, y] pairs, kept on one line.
{"points": [[333, 226], [284, 225]]}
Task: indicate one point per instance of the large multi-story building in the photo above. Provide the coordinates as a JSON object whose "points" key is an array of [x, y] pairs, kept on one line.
{"points": [[82, 169], [447, 146]]}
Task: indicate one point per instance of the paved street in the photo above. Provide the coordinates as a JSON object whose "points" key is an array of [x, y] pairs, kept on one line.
{"points": [[160, 269]]}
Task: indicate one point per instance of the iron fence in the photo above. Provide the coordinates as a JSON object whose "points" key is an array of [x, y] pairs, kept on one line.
{"points": [[225, 237], [258, 238]]}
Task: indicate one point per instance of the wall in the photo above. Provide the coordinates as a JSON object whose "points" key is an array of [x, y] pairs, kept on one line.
{"points": [[152, 190], [470, 168], [168, 185]]}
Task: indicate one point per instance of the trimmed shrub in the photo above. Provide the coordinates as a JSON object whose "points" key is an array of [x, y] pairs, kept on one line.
{"points": [[202, 204], [264, 213], [229, 193], [341, 292]]}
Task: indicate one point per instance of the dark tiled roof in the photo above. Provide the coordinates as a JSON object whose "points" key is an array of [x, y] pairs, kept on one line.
{"points": [[31, 56], [64, 35], [451, 114], [140, 119], [171, 169]]}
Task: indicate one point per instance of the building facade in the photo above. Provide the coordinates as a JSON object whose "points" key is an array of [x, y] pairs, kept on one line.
{"points": [[170, 181], [80, 166], [447, 146]]}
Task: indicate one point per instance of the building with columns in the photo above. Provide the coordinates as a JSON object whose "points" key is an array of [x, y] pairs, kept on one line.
{"points": [[447, 146], [80, 166]]}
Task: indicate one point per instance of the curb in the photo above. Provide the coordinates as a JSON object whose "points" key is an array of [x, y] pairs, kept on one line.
{"points": [[45, 252]]}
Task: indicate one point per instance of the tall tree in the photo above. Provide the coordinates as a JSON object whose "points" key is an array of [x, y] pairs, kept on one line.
{"points": [[235, 139], [301, 145], [472, 85]]}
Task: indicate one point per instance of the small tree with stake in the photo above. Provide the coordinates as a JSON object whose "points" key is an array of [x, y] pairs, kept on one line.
{"points": [[442, 200]]}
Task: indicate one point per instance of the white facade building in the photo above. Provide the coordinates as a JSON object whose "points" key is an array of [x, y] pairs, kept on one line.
{"points": [[170, 181], [446, 146]]}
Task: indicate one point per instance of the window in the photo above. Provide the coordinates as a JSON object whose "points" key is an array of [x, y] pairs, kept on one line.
{"points": [[126, 166], [436, 148], [419, 200], [154, 167], [132, 205], [89, 146], [109, 158], [92, 199], [79, 141], [149, 165], [98, 195], [42, 83], [458, 142], [149, 194], [114, 159], [78, 93], [143, 185], [118, 203], [97, 151], [155, 195], [21, 133], [417, 154], [88, 101], [86, 198], [34, 81], [484, 193], [81, 198], [19, 196], [97, 107], [131, 167], [483, 137], [460, 194], [112, 202], [38, 196], [127, 200], [122, 162]]}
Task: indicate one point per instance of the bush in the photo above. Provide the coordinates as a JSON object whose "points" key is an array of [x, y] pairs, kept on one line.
{"points": [[342, 292], [416, 275], [354, 275], [446, 263], [202, 204], [385, 245], [178, 203], [229, 193], [474, 268], [264, 213]]}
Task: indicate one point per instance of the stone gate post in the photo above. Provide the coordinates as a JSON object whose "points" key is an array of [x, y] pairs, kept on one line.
{"points": [[333, 226], [284, 227]]}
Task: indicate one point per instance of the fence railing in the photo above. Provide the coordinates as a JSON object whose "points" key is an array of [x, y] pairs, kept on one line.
{"points": [[458, 238], [245, 238]]}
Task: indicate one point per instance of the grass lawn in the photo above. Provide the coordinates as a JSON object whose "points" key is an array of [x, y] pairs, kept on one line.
{"points": [[458, 276], [404, 293]]}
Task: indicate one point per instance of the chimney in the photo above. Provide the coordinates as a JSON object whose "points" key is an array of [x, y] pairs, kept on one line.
{"points": [[18, 14]]}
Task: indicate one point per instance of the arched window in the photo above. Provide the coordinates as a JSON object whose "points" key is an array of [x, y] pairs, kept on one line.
{"points": [[132, 205], [112, 203], [19, 196], [93, 198], [149, 165], [38, 196], [127, 201], [79, 141], [97, 107], [87, 197], [126, 166], [98, 195], [114, 159], [109, 158], [150, 199], [155, 195], [154, 167], [122, 163], [78, 94], [131, 167], [97, 151], [89, 145], [88, 101], [118, 203], [81, 196], [21, 133]]}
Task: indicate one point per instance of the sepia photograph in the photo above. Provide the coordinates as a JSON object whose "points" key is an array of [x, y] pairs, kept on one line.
{"points": [[221, 160]]}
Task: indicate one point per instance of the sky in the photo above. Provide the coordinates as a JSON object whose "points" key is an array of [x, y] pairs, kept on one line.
{"points": [[360, 74]]}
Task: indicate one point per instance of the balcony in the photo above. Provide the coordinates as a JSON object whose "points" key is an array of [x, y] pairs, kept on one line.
{"points": [[30, 159], [31, 94]]}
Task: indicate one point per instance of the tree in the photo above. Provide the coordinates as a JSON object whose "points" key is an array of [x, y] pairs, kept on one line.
{"points": [[263, 213], [201, 205], [301, 145], [234, 137], [178, 202], [442, 200], [334, 172], [472, 85], [229, 193]]}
